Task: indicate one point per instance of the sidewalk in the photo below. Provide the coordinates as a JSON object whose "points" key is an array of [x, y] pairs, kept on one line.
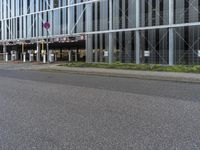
{"points": [[167, 76]]}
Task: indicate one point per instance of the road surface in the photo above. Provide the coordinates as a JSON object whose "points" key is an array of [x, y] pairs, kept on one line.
{"points": [[61, 111]]}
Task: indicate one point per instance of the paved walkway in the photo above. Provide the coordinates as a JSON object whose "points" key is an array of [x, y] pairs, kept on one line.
{"points": [[169, 76]]}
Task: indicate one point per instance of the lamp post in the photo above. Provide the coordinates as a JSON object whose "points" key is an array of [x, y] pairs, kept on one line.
{"points": [[47, 26]]}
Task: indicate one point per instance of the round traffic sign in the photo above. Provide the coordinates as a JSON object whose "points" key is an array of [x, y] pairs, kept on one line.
{"points": [[46, 25]]}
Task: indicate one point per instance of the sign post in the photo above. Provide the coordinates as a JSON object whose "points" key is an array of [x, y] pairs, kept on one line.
{"points": [[47, 26]]}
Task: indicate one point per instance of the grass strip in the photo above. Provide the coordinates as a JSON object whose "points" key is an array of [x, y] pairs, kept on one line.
{"points": [[141, 67]]}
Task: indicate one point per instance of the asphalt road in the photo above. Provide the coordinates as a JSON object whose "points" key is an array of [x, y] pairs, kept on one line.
{"points": [[60, 111]]}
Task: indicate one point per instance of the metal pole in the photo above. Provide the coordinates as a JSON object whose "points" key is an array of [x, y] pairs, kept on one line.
{"points": [[89, 47], [47, 46], [137, 33], [22, 51], [42, 45], [24, 57], [76, 55], [4, 52], [38, 51], [70, 55], [69, 18], [171, 33], [110, 34]]}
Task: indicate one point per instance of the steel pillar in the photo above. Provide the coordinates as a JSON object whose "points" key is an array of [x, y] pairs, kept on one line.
{"points": [[171, 46], [21, 55], [96, 50], [96, 59], [70, 55], [110, 34], [89, 51], [4, 52], [38, 51], [171, 33], [89, 43], [137, 33], [76, 55], [69, 18]]}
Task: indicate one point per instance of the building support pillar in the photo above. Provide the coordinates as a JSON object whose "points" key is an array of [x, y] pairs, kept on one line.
{"points": [[76, 55], [89, 49], [137, 33], [89, 42], [96, 55], [38, 51], [22, 52], [110, 34], [138, 47], [70, 55], [110, 48], [171, 46], [171, 33], [4, 52], [69, 18]]}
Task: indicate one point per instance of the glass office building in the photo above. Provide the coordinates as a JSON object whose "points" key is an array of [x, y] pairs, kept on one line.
{"points": [[129, 31]]}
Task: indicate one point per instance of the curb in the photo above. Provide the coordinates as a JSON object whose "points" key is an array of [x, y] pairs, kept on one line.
{"points": [[119, 75]]}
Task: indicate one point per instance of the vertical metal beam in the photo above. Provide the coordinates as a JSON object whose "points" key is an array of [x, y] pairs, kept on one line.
{"points": [[21, 55], [70, 55], [96, 49], [171, 46], [89, 49], [137, 33], [76, 55], [110, 34], [69, 18], [89, 43], [96, 36], [171, 33], [4, 52], [38, 51], [110, 48]]}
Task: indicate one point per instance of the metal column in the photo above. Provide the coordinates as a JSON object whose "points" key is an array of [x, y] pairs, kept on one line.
{"points": [[76, 55], [38, 51], [69, 18], [89, 51], [89, 43], [171, 33], [110, 34], [96, 36], [4, 52], [137, 33]]}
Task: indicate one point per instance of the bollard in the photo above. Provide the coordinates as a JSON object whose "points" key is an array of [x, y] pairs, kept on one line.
{"points": [[24, 57], [44, 58], [76, 56], [51, 58], [13, 56], [55, 57], [70, 56], [6, 57], [31, 57]]}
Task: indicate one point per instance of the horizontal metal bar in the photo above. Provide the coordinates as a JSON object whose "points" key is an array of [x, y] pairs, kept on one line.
{"points": [[48, 10], [110, 31], [144, 28]]}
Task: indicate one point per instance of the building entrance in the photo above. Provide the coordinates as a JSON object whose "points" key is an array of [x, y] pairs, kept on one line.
{"points": [[58, 51]]}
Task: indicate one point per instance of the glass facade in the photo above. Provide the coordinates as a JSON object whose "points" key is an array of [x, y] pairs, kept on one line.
{"points": [[22, 20]]}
